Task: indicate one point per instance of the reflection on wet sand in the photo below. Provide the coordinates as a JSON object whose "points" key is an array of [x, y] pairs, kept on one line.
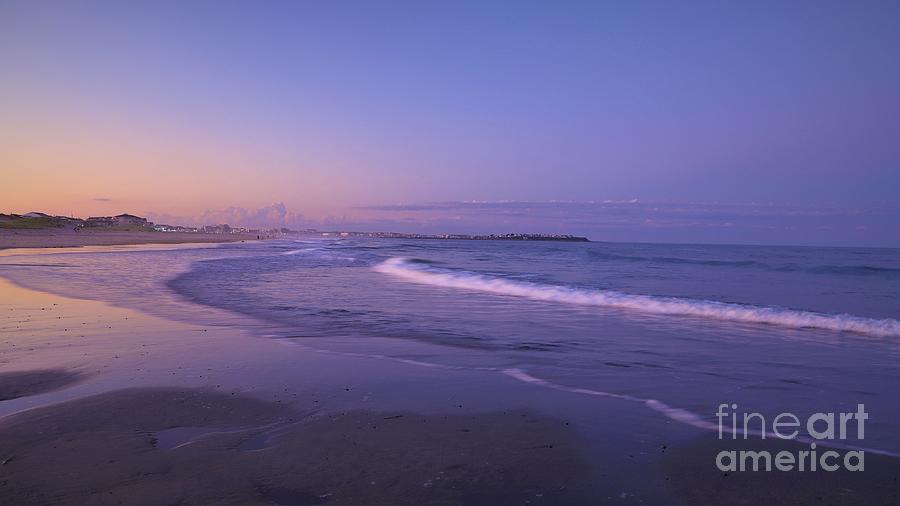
{"points": [[20, 384], [67, 454]]}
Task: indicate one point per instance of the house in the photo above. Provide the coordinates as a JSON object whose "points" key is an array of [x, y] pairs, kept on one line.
{"points": [[99, 221], [131, 220], [122, 220]]}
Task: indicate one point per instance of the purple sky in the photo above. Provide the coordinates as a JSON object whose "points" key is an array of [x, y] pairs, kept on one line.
{"points": [[352, 111]]}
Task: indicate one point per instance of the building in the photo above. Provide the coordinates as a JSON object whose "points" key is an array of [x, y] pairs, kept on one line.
{"points": [[217, 229], [122, 220], [130, 220], [99, 221]]}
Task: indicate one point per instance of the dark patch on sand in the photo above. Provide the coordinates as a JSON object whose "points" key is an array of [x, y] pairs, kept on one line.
{"points": [[24, 383], [693, 478], [101, 450]]}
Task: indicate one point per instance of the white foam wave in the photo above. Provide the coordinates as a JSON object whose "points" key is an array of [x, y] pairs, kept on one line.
{"points": [[410, 271], [300, 251], [319, 253], [676, 414], [687, 417]]}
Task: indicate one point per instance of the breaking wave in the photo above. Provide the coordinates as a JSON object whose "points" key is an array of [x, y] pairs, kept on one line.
{"points": [[421, 272]]}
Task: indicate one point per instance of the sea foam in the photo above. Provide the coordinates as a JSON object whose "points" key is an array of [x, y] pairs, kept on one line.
{"points": [[421, 272]]}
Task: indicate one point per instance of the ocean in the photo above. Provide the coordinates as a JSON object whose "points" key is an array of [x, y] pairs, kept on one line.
{"points": [[676, 329]]}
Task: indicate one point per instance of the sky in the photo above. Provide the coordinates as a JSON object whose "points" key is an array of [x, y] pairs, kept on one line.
{"points": [[757, 122]]}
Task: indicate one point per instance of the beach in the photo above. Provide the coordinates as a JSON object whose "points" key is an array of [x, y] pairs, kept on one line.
{"points": [[92, 418], [68, 238], [452, 254], [126, 378]]}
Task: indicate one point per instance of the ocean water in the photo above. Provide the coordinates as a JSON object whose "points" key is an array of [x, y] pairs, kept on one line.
{"points": [[679, 329]]}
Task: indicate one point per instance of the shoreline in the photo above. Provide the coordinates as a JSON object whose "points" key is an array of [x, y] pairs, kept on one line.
{"points": [[143, 406], [64, 238], [178, 400]]}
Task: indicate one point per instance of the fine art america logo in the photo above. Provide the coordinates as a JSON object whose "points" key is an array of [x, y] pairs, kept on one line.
{"points": [[830, 430]]}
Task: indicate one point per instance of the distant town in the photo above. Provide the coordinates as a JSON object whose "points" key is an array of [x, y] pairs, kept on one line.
{"points": [[130, 222], [37, 220]]}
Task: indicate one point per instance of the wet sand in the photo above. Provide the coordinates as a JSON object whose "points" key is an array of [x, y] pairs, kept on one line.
{"points": [[20, 384], [245, 451], [67, 238], [694, 480], [112, 406]]}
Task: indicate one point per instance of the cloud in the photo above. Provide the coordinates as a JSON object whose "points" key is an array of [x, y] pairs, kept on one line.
{"points": [[102, 199], [272, 216]]}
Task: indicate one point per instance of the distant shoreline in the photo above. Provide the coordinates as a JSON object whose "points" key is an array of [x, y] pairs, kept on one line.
{"points": [[69, 238], [458, 237], [66, 238]]}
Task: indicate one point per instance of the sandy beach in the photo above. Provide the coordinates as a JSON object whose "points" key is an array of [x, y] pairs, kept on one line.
{"points": [[196, 415], [66, 238], [183, 446]]}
